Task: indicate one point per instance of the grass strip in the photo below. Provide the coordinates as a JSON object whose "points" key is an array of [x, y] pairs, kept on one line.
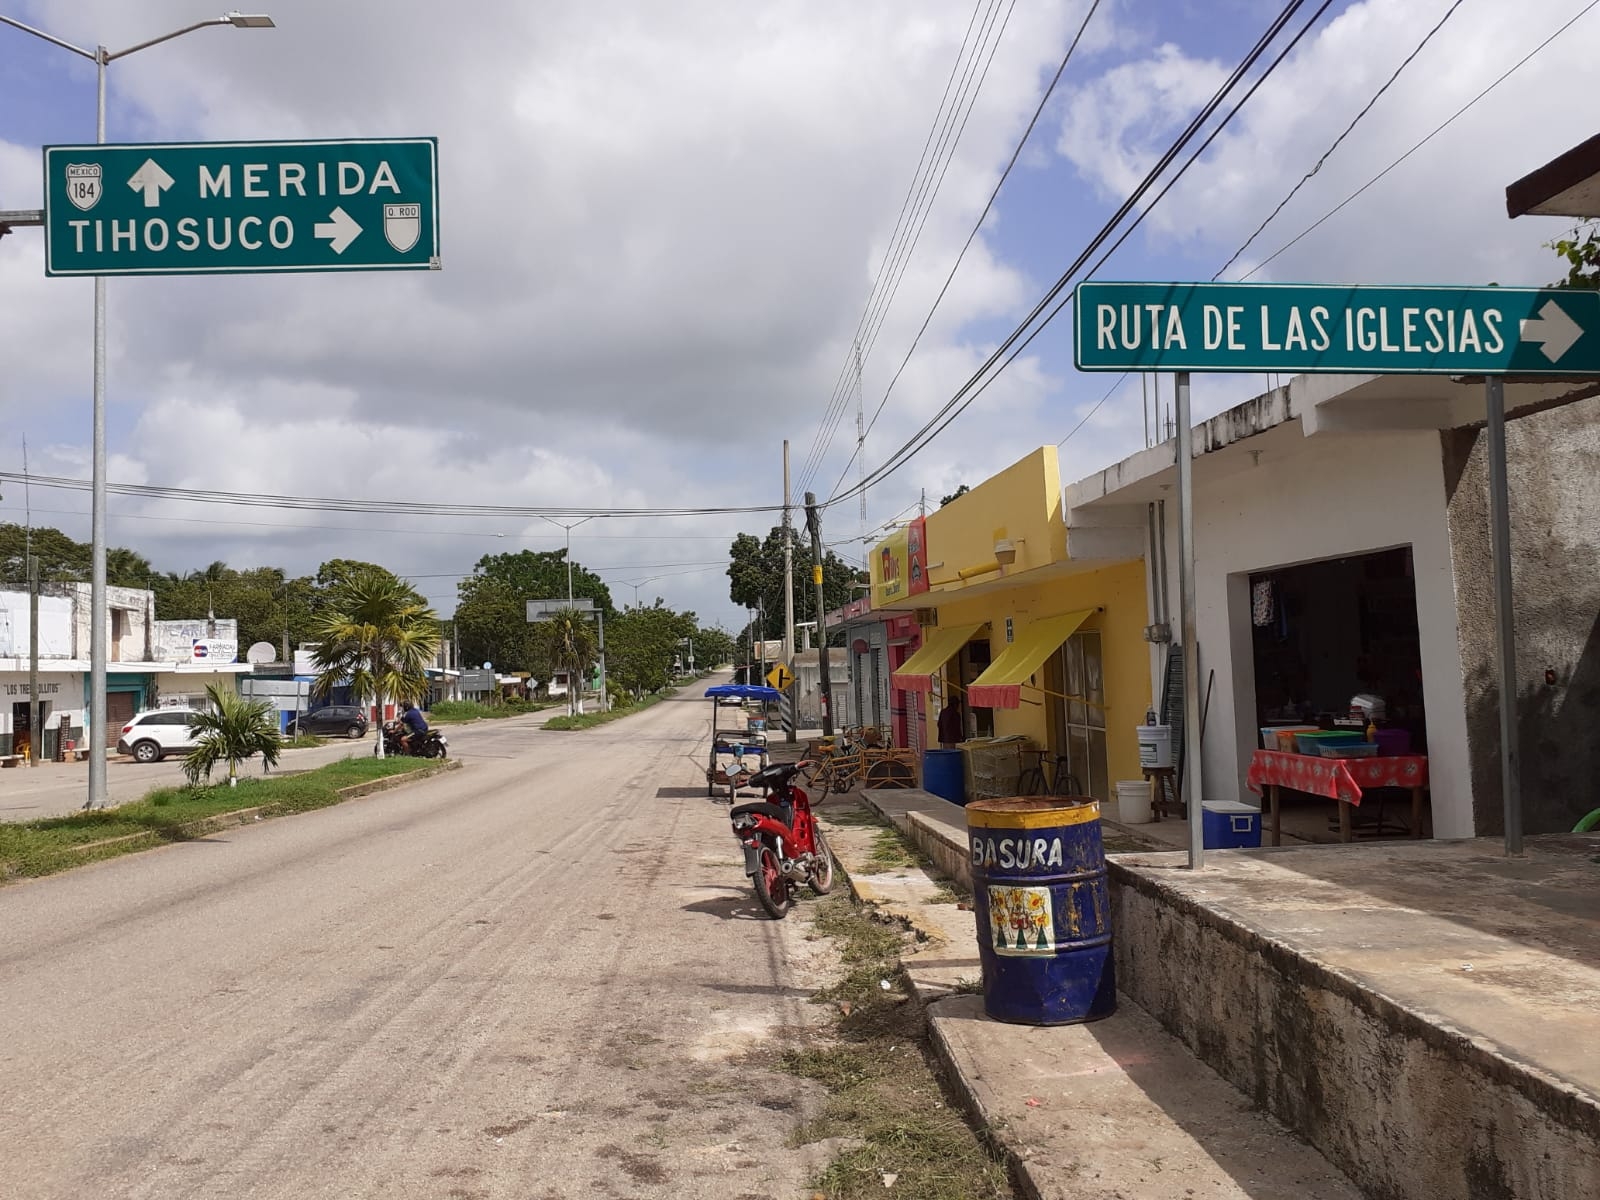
{"points": [[885, 1092], [43, 847], [590, 720], [454, 712]]}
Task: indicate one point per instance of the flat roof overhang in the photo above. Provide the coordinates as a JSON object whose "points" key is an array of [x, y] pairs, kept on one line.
{"points": [[1568, 186]]}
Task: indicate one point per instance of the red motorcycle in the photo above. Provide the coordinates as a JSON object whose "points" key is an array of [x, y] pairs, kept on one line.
{"points": [[783, 848]]}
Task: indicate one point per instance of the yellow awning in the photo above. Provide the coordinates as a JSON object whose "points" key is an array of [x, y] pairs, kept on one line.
{"points": [[1001, 685], [938, 647]]}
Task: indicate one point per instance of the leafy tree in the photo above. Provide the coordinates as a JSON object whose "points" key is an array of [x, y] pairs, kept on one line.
{"points": [[492, 624], [542, 575], [642, 644], [62, 558], [377, 635], [955, 495], [713, 646], [265, 601], [492, 608], [755, 579], [1581, 249], [234, 731]]}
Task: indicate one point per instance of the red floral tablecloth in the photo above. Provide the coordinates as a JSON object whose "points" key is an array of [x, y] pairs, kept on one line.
{"points": [[1336, 778]]}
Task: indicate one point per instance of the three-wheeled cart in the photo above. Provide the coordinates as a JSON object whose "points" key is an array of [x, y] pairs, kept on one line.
{"points": [[738, 742]]}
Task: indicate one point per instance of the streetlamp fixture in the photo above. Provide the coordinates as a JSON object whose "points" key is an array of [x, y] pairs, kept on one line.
{"points": [[103, 58], [599, 616]]}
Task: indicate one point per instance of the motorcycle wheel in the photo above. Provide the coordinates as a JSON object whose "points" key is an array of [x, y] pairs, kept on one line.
{"points": [[772, 889], [822, 874]]}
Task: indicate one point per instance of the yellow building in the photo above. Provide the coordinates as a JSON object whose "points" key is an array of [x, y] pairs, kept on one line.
{"points": [[1030, 638]]}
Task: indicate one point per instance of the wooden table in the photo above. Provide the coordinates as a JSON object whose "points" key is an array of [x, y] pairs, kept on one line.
{"points": [[1342, 780]]}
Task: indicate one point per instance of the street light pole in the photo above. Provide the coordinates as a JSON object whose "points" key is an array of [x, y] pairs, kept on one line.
{"points": [[571, 691], [97, 519]]}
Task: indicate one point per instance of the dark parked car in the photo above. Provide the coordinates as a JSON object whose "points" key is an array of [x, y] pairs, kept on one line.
{"points": [[334, 720]]}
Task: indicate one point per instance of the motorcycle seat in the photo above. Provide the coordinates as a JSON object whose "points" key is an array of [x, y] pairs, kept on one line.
{"points": [[761, 809], [776, 775]]}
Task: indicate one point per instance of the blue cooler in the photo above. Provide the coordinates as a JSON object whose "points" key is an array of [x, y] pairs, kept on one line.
{"points": [[944, 773], [1230, 825]]}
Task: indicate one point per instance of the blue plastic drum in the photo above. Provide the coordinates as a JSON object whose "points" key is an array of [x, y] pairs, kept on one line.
{"points": [[944, 773], [1043, 908]]}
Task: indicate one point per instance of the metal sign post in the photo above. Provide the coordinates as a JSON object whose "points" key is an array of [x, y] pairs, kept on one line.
{"points": [[1494, 394], [1193, 793]]}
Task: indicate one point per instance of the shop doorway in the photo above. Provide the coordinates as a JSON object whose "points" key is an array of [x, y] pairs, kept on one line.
{"points": [[1078, 722], [120, 707], [970, 663], [22, 739], [1323, 633]]}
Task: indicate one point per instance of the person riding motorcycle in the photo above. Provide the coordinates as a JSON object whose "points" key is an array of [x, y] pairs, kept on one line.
{"points": [[414, 723]]}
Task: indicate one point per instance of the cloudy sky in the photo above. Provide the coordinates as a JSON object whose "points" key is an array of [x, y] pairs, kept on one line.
{"points": [[661, 224]]}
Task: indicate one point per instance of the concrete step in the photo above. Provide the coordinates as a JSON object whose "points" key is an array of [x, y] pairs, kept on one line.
{"points": [[1118, 1108]]}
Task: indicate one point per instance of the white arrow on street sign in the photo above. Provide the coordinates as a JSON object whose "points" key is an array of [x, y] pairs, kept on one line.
{"points": [[340, 229], [1554, 332], [152, 181]]}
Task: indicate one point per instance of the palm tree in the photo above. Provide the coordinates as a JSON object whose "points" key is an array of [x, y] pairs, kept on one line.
{"points": [[233, 731], [376, 636], [573, 648]]}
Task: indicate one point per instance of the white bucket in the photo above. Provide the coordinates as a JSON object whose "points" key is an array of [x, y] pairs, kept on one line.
{"points": [[1133, 802], [1155, 745]]}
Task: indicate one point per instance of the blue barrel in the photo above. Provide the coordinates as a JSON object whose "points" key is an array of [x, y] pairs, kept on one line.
{"points": [[944, 773], [1043, 908]]}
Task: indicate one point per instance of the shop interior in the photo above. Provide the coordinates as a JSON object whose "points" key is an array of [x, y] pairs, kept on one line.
{"points": [[1323, 634]]}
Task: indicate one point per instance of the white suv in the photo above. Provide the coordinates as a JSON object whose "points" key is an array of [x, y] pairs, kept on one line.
{"points": [[150, 736]]}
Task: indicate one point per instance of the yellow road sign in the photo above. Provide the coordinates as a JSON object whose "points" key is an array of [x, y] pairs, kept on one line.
{"points": [[780, 677]]}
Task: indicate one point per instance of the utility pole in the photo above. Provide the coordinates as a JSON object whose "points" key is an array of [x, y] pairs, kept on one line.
{"points": [[788, 597], [814, 524], [35, 733]]}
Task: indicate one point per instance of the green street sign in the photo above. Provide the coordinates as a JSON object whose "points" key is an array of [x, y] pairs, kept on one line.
{"points": [[363, 204], [1293, 328]]}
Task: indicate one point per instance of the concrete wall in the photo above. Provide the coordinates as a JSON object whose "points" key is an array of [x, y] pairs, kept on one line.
{"points": [[1553, 465], [1301, 501], [1405, 1107], [55, 626], [1021, 503]]}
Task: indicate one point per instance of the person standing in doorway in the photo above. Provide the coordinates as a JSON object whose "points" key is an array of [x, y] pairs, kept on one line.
{"points": [[951, 731]]}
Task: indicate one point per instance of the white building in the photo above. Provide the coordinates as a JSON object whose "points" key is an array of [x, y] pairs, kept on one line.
{"points": [[1341, 548], [149, 662]]}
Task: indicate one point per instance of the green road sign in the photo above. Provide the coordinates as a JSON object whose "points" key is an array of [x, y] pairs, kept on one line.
{"points": [[1310, 328], [235, 207]]}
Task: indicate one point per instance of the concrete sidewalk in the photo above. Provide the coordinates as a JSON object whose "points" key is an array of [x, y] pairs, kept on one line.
{"points": [[1117, 1108]]}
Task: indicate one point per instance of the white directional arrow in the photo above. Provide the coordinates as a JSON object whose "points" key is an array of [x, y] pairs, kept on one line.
{"points": [[1554, 331], [340, 229], [152, 181]]}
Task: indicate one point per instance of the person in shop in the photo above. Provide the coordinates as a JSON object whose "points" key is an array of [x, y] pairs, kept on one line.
{"points": [[951, 733]]}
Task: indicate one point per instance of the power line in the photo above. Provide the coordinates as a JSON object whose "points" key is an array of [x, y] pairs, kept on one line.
{"points": [[408, 507], [838, 386], [1339, 141], [978, 383], [1438, 129], [899, 259], [1435, 132], [977, 225]]}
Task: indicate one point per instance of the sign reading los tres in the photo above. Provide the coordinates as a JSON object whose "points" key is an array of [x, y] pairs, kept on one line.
{"points": [[237, 207], [1298, 327]]}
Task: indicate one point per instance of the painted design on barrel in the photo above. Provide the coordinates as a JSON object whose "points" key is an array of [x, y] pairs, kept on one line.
{"points": [[1022, 920]]}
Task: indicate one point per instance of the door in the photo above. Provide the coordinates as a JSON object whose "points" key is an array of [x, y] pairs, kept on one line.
{"points": [[21, 730], [120, 708], [1077, 714]]}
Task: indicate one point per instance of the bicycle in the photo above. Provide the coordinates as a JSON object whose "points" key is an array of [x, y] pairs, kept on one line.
{"points": [[1060, 782]]}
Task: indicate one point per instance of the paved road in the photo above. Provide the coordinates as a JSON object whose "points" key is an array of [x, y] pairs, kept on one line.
{"points": [[541, 976], [56, 789]]}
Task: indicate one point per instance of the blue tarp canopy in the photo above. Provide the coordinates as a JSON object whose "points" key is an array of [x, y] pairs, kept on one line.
{"points": [[743, 691]]}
